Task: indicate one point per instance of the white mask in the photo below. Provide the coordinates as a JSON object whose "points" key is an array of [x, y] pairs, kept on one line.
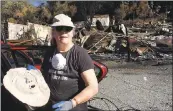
{"points": [[58, 61]]}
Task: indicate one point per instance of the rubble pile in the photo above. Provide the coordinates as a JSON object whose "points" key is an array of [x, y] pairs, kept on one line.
{"points": [[155, 44]]}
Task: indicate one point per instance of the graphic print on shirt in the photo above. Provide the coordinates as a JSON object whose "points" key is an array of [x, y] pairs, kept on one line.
{"points": [[59, 67]]}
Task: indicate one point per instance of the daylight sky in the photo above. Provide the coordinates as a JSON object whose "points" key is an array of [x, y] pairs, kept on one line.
{"points": [[36, 2]]}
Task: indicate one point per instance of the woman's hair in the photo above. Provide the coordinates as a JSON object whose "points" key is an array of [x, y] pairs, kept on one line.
{"points": [[53, 42]]}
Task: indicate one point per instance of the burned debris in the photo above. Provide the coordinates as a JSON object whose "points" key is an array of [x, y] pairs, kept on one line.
{"points": [[136, 43], [139, 45]]}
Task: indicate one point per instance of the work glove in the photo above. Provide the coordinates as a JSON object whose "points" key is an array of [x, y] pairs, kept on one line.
{"points": [[63, 106], [29, 67]]}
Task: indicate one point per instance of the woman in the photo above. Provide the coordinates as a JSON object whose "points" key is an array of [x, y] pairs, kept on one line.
{"points": [[68, 69]]}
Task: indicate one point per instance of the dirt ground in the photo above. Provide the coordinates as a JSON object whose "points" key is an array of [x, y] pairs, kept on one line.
{"points": [[135, 86]]}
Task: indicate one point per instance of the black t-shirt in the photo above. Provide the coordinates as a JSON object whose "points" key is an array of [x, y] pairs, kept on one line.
{"points": [[67, 83]]}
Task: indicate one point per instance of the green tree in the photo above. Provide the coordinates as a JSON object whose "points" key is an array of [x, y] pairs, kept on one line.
{"points": [[17, 12], [85, 9], [57, 7], [42, 15]]}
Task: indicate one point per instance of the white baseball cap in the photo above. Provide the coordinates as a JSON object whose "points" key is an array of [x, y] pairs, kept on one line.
{"points": [[62, 20], [28, 86]]}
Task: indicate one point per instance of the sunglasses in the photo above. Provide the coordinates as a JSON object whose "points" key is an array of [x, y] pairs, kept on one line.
{"points": [[63, 28]]}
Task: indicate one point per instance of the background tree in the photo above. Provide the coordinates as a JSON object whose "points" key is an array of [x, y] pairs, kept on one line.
{"points": [[85, 9], [22, 11], [42, 14], [57, 7], [17, 12]]}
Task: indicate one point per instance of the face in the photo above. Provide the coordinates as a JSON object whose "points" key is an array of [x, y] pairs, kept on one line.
{"points": [[62, 34]]}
